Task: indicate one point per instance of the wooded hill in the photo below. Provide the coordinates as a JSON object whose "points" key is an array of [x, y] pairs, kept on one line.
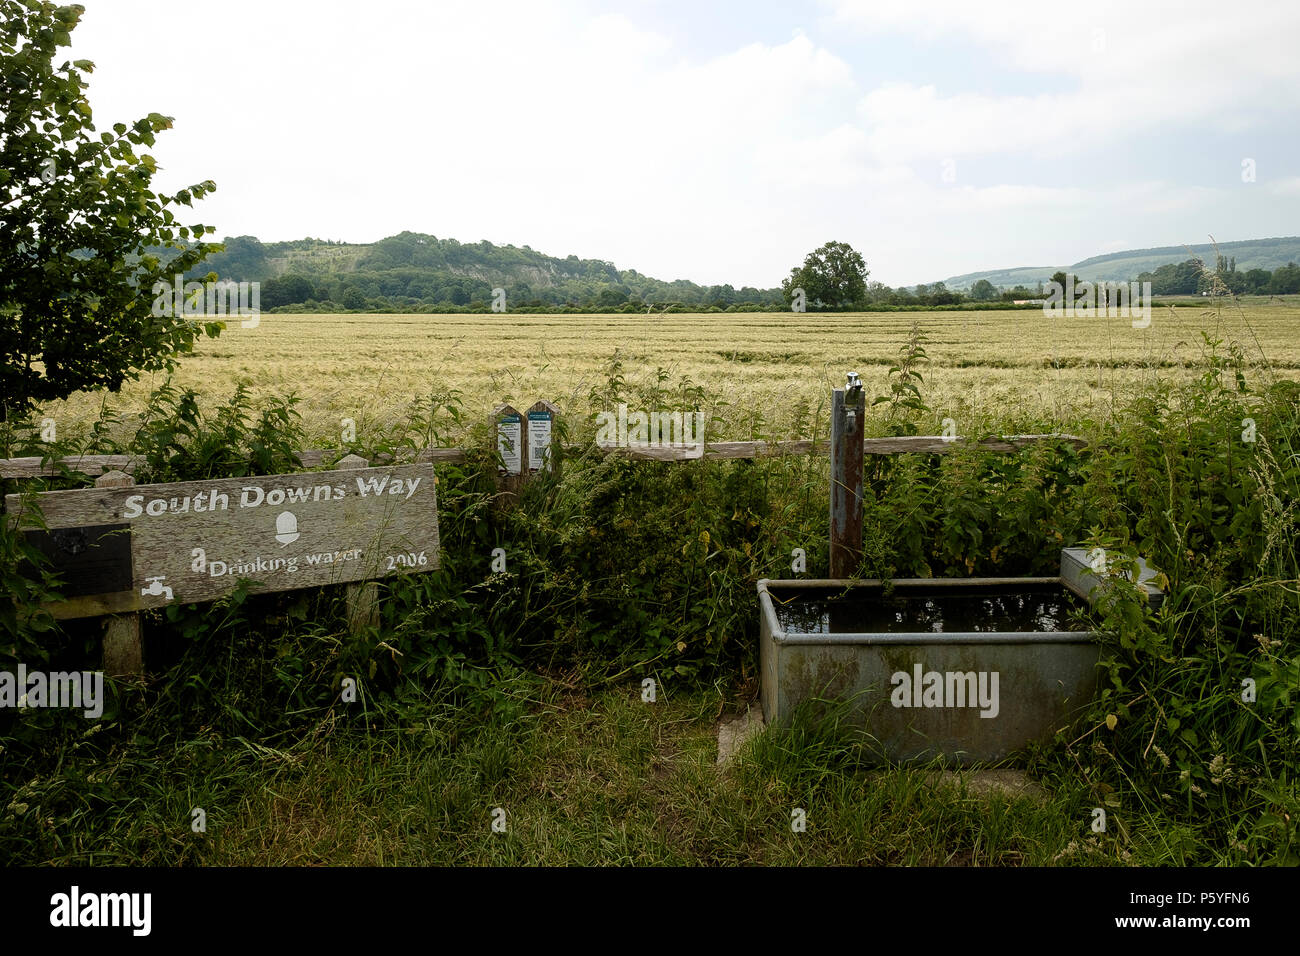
{"points": [[414, 272]]}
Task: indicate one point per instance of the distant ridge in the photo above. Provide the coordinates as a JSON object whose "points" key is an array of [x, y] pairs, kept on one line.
{"points": [[413, 269], [1269, 254]]}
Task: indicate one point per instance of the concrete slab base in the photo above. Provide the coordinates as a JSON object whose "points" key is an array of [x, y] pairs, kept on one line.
{"points": [[1015, 784], [734, 732]]}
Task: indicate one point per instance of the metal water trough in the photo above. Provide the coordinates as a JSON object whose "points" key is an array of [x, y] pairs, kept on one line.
{"points": [[970, 670], [966, 669]]}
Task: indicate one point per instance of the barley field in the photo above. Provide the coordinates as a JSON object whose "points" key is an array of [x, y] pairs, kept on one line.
{"points": [[1008, 370]]}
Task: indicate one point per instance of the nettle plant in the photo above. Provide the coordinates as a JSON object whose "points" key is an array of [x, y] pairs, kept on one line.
{"points": [[1197, 713], [904, 400]]}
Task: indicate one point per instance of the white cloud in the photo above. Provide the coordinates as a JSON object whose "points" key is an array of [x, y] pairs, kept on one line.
{"points": [[1289, 186], [1194, 65], [593, 134]]}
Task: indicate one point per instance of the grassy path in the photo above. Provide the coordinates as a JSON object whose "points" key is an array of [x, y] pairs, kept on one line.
{"points": [[612, 780], [603, 779]]}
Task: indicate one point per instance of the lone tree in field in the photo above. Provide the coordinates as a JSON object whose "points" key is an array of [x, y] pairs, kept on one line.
{"points": [[79, 227], [834, 274]]}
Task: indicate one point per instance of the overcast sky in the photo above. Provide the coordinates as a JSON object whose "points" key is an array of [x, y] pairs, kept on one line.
{"points": [[721, 142]]}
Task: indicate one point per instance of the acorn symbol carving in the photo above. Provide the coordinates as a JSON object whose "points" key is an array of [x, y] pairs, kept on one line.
{"points": [[286, 528]]}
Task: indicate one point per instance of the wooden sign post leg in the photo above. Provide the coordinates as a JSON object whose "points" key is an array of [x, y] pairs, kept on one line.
{"points": [[848, 409], [362, 600], [511, 431], [123, 648]]}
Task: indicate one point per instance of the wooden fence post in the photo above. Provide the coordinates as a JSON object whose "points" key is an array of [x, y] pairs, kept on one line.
{"points": [[362, 600], [123, 648], [511, 431], [848, 410]]}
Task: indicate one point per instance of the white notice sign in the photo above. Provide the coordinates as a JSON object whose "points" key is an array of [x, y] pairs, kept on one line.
{"points": [[509, 435], [539, 441]]}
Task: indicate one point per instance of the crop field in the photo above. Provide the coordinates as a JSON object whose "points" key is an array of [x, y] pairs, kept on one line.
{"points": [[988, 370]]}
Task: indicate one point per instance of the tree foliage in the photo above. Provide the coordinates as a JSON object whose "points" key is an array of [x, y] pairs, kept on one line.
{"points": [[833, 274], [80, 227]]}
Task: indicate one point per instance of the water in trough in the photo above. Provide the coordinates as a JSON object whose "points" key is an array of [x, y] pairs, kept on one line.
{"points": [[939, 610]]}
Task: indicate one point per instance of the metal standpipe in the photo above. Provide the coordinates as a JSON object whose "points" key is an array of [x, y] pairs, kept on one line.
{"points": [[848, 411]]}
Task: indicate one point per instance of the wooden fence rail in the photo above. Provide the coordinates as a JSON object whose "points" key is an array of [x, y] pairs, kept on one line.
{"points": [[92, 465], [183, 538]]}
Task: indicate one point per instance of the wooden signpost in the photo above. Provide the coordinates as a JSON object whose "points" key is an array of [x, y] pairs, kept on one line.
{"points": [[541, 428], [524, 443], [510, 446], [131, 548]]}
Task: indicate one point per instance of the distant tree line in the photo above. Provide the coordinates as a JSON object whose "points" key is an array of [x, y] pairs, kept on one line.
{"points": [[1189, 277], [938, 294], [833, 277], [411, 272]]}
